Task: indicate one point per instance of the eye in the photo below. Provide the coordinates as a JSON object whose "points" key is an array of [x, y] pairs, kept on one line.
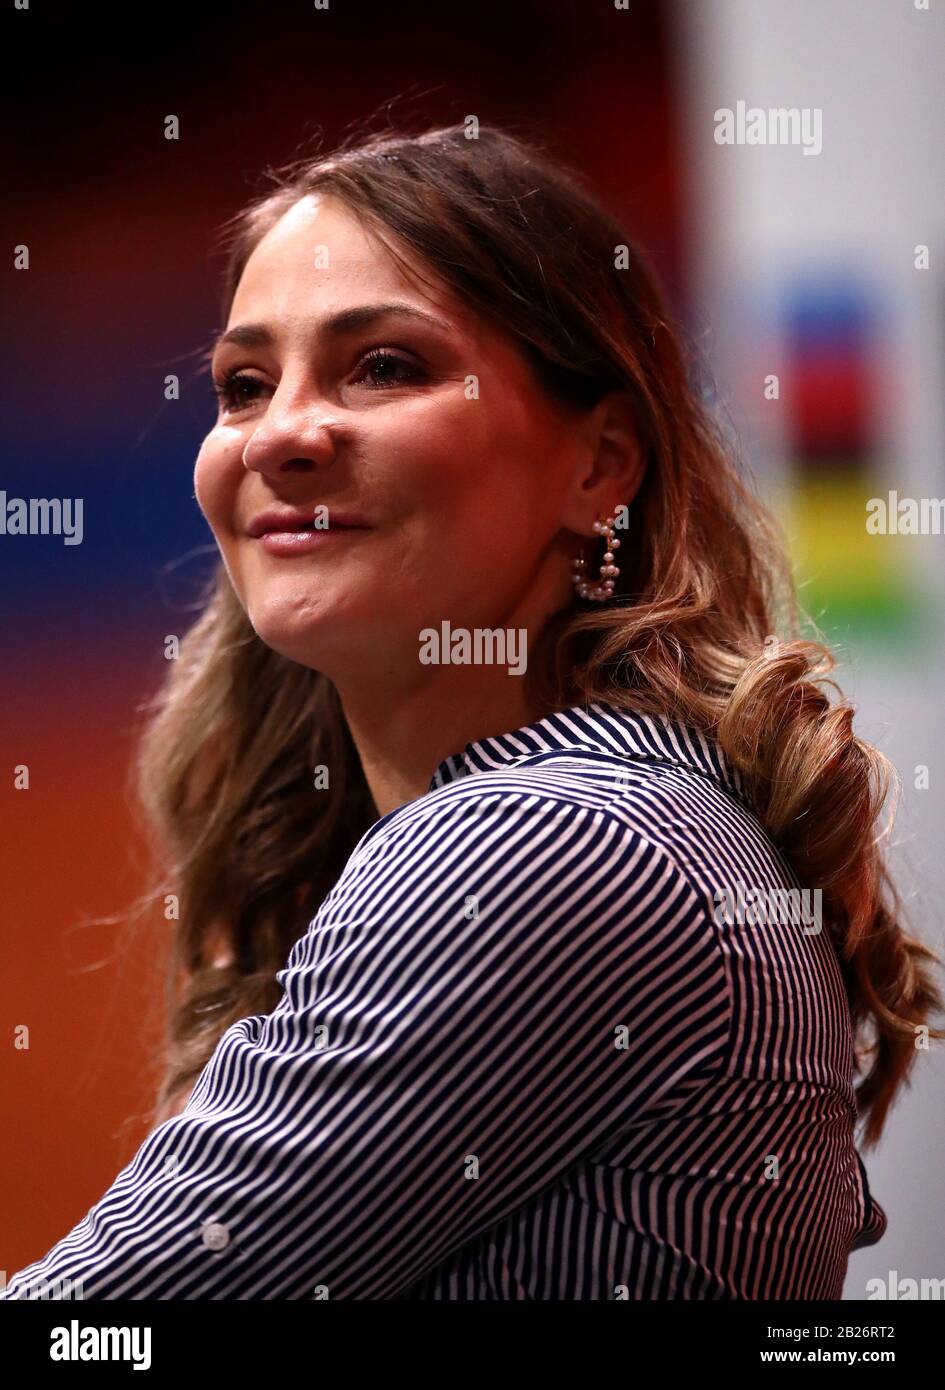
{"points": [[235, 390], [381, 362]]}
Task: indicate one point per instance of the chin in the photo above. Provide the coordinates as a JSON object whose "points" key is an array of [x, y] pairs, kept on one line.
{"points": [[306, 630]]}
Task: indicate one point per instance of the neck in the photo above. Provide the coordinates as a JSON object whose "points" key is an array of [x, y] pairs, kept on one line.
{"points": [[402, 735], [406, 716]]}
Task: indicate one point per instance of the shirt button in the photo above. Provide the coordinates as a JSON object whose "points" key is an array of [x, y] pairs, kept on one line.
{"points": [[215, 1236]]}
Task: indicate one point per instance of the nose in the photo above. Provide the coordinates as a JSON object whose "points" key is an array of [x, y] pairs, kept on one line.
{"points": [[296, 434]]}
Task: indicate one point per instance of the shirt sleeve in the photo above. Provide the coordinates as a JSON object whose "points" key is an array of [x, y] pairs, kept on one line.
{"points": [[498, 983]]}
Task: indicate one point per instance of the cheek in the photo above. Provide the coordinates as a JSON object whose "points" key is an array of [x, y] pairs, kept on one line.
{"points": [[474, 512], [458, 452], [214, 486], [488, 469]]}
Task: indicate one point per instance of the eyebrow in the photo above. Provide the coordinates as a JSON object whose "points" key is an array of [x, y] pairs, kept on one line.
{"points": [[259, 335]]}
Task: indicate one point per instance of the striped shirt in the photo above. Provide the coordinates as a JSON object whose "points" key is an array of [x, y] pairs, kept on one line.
{"points": [[536, 1044]]}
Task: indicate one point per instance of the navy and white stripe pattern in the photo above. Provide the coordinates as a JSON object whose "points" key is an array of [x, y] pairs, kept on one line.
{"points": [[518, 1057]]}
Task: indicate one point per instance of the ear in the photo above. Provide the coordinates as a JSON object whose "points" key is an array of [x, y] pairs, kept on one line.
{"points": [[611, 466]]}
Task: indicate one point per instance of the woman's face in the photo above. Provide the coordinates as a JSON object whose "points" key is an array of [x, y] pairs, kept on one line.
{"points": [[446, 476]]}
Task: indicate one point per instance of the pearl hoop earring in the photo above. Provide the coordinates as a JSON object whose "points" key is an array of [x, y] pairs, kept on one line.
{"points": [[604, 588]]}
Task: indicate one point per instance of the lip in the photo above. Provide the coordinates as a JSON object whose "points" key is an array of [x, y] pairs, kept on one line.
{"points": [[298, 521], [301, 542]]}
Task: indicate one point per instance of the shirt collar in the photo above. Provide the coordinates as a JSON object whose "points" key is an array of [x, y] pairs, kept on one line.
{"points": [[598, 728]]}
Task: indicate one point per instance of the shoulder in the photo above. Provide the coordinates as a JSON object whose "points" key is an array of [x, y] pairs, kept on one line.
{"points": [[546, 796], [523, 880], [645, 796], [537, 820]]}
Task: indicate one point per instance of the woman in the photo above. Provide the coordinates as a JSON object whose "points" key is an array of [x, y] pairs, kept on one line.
{"points": [[533, 930]]}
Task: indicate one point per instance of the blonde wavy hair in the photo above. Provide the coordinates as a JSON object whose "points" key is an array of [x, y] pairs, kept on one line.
{"points": [[704, 625]]}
